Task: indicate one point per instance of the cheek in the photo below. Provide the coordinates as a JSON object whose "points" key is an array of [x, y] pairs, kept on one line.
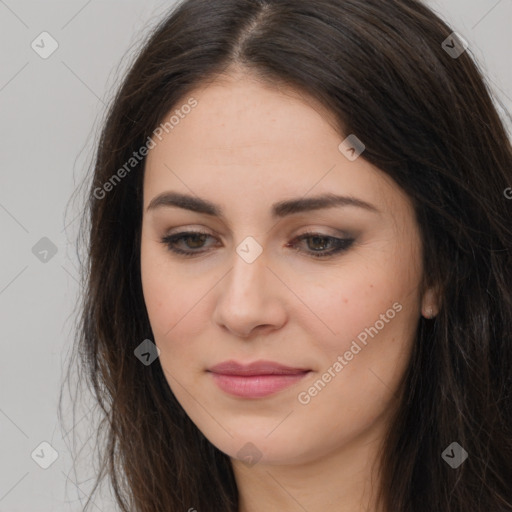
{"points": [[348, 302], [163, 296], [174, 310], [175, 303], [368, 313]]}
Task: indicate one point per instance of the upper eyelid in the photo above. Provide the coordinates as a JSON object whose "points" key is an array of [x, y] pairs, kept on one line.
{"points": [[337, 233], [200, 232]]}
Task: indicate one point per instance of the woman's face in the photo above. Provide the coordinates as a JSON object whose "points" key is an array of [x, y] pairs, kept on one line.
{"points": [[253, 290]]}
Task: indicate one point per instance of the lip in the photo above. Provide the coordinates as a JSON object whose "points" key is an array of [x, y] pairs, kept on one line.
{"points": [[255, 380]]}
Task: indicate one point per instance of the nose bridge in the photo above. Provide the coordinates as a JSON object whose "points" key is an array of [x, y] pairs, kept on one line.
{"points": [[250, 296], [245, 297], [248, 274]]}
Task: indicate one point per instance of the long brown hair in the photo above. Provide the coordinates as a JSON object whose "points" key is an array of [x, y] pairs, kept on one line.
{"points": [[427, 119]]}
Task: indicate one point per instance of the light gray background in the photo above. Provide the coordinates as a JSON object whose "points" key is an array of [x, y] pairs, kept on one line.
{"points": [[51, 110]]}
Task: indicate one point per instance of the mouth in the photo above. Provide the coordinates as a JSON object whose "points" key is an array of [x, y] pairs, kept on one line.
{"points": [[255, 380]]}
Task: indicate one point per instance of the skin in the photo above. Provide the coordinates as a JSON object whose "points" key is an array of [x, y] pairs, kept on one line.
{"points": [[246, 146]]}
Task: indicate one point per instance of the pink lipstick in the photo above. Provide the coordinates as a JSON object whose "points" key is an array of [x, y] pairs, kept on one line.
{"points": [[255, 380]]}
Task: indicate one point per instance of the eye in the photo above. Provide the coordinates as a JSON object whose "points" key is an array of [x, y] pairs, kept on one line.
{"points": [[319, 243], [318, 248], [198, 238]]}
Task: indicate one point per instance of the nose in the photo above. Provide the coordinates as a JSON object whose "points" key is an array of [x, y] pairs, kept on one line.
{"points": [[250, 298]]}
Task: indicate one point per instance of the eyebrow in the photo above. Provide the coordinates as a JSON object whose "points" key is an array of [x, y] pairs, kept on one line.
{"points": [[279, 210]]}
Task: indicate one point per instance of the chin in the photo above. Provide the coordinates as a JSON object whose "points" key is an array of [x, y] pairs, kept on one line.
{"points": [[256, 446]]}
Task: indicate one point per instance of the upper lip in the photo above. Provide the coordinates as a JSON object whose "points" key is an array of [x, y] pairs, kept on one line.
{"points": [[255, 368]]}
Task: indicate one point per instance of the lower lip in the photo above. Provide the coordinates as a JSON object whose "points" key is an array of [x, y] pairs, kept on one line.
{"points": [[255, 386]]}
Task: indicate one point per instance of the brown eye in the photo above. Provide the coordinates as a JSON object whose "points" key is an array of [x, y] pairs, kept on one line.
{"points": [[318, 245], [198, 239]]}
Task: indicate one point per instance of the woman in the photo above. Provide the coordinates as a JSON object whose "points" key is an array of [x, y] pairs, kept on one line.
{"points": [[299, 242]]}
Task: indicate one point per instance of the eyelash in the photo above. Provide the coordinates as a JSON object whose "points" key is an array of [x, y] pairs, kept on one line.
{"points": [[341, 244]]}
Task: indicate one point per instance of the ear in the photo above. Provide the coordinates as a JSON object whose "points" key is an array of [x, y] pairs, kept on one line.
{"points": [[430, 302]]}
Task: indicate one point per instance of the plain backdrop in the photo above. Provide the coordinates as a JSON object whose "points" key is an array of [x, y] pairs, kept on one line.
{"points": [[51, 109]]}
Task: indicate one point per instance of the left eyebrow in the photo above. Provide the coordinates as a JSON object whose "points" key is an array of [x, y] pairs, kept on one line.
{"points": [[279, 209]]}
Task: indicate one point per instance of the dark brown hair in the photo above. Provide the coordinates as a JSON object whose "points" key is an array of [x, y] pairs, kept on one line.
{"points": [[427, 120]]}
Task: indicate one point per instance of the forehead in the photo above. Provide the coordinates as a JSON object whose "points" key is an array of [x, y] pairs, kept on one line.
{"points": [[238, 117], [246, 138]]}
